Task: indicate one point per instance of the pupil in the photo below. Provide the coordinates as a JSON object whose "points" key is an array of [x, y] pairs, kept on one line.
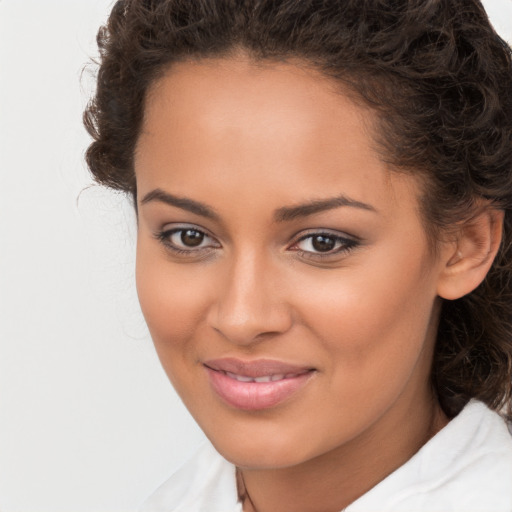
{"points": [[191, 237], [323, 243]]}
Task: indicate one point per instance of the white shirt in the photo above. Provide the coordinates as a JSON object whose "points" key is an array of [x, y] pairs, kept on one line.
{"points": [[465, 467]]}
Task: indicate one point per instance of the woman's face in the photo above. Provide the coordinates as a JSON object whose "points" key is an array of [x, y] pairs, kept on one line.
{"points": [[283, 270]]}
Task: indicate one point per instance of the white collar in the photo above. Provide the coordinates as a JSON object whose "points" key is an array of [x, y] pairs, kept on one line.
{"points": [[466, 467]]}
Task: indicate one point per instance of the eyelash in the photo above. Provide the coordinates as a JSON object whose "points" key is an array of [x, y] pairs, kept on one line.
{"points": [[164, 237], [346, 244]]}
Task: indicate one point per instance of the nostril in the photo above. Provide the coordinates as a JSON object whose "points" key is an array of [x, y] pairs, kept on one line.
{"points": [[253, 327], [248, 307]]}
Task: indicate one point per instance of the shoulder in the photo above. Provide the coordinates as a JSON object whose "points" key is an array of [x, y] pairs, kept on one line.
{"points": [[205, 483], [466, 466]]}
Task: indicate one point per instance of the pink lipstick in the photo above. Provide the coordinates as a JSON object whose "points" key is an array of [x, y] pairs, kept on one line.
{"points": [[255, 385]]}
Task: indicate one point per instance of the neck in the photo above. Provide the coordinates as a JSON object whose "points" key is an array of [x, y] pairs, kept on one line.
{"points": [[332, 481]]}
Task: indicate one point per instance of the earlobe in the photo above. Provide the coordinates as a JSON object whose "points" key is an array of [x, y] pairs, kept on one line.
{"points": [[468, 259]]}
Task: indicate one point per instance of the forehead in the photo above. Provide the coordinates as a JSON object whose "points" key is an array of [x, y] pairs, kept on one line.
{"points": [[243, 80], [234, 123]]}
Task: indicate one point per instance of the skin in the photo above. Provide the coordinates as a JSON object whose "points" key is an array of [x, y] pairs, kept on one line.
{"points": [[247, 140]]}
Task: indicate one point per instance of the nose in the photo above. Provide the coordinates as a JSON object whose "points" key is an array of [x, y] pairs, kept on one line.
{"points": [[249, 303]]}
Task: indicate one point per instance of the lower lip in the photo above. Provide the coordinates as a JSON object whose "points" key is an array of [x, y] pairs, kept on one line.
{"points": [[253, 396]]}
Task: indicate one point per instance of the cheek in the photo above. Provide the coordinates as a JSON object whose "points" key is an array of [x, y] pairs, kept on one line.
{"points": [[374, 323], [171, 301], [373, 337]]}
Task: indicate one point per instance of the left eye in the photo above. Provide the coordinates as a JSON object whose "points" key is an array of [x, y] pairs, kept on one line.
{"points": [[324, 243]]}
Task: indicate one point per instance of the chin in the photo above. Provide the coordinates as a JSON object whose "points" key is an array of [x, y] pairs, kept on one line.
{"points": [[264, 450], [261, 457]]}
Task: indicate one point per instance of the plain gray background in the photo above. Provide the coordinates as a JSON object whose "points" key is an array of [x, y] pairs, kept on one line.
{"points": [[88, 421]]}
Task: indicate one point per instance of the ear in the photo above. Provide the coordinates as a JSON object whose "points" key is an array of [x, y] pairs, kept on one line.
{"points": [[466, 260]]}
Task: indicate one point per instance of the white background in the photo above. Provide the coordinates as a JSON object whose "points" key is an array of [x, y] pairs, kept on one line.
{"points": [[88, 421]]}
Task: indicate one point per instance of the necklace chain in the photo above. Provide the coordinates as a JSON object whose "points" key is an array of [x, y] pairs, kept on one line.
{"points": [[243, 493]]}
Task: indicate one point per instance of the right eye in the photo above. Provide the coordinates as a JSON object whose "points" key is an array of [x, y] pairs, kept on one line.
{"points": [[186, 240]]}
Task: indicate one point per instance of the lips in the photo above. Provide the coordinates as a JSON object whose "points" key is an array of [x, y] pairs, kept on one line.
{"points": [[254, 385], [264, 378]]}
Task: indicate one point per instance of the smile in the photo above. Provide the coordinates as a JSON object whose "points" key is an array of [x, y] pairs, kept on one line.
{"points": [[255, 385], [265, 378]]}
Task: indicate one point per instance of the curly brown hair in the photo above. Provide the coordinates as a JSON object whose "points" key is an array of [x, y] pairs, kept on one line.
{"points": [[440, 81]]}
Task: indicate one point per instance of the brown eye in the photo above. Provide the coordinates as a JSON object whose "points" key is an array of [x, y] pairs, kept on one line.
{"points": [[191, 237], [323, 243], [187, 241]]}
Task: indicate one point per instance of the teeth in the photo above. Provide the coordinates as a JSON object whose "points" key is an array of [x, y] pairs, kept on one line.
{"points": [[240, 378], [266, 378]]}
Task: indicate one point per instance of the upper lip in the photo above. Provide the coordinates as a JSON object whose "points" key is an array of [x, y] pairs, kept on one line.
{"points": [[256, 368]]}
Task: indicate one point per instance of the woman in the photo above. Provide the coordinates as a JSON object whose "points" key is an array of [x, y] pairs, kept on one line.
{"points": [[324, 194]]}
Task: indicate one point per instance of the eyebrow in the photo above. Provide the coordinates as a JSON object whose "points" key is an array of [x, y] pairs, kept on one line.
{"points": [[181, 202], [284, 214], [288, 213]]}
